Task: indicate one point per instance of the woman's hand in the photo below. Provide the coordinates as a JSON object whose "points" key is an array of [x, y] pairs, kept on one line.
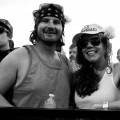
{"points": [[98, 106], [90, 105], [85, 105], [103, 106]]}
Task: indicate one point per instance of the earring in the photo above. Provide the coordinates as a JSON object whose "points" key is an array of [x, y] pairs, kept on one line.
{"points": [[108, 69]]}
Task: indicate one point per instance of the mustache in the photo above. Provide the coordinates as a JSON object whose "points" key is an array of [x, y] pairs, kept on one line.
{"points": [[50, 30]]}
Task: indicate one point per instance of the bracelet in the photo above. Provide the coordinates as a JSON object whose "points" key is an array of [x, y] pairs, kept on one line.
{"points": [[105, 105]]}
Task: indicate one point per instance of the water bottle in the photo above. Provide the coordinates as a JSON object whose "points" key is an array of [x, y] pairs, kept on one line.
{"points": [[50, 102]]}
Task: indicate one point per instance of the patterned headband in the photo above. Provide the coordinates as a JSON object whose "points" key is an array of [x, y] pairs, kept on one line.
{"points": [[52, 10]]}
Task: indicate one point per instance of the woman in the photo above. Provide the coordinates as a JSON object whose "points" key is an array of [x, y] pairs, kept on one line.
{"points": [[97, 82]]}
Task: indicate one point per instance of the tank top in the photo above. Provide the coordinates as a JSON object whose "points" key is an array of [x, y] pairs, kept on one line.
{"points": [[41, 80], [107, 91]]}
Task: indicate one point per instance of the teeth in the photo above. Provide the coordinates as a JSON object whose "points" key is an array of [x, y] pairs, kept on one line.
{"points": [[91, 52]]}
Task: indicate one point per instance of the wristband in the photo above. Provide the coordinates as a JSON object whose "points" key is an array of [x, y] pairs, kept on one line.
{"points": [[105, 105]]}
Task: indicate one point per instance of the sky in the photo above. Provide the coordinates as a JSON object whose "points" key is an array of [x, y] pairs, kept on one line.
{"points": [[80, 12]]}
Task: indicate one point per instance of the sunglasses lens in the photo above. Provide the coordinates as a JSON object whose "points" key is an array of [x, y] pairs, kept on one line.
{"points": [[1, 30], [93, 41], [84, 44]]}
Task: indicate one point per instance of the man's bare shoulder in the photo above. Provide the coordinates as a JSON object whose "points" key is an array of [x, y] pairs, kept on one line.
{"points": [[17, 55]]}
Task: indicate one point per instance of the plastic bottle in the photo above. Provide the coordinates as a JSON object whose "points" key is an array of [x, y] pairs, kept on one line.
{"points": [[50, 102]]}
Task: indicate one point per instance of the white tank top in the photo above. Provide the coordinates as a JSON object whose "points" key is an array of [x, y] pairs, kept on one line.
{"points": [[107, 91]]}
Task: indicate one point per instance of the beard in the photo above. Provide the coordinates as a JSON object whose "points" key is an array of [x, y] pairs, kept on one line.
{"points": [[49, 36], [48, 42]]}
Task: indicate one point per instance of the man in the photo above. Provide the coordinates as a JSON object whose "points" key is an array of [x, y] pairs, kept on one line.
{"points": [[72, 52], [6, 34], [41, 74], [72, 57]]}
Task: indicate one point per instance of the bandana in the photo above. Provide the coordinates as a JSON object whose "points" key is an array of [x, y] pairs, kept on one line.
{"points": [[4, 26], [5, 23], [52, 10]]}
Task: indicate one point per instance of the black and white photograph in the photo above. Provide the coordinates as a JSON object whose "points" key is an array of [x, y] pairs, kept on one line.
{"points": [[60, 59]]}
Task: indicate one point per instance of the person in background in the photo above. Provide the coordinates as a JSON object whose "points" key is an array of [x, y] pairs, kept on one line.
{"points": [[40, 74], [72, 52], [72, 57], [97, 83], [118, 55], [6, 34], [6, 46]]}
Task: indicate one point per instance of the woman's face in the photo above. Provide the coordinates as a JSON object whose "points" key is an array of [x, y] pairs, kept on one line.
{"points": [[93, 49], [50, 29]]}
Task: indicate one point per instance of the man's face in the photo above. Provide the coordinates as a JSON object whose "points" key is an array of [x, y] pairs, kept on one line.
{"points": [[72, 53], [50, 29]]}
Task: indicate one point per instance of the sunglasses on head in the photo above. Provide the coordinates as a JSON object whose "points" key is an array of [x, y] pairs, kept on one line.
{"points": [[95, 41]]}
